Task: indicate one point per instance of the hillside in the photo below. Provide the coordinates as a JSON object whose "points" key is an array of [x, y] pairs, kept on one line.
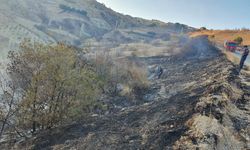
{"points": [[221, 36], [76, 23], [118, 82], [198, 103]]}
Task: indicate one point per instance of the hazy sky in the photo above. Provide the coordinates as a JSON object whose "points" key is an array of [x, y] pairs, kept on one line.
{"points": [[216, 14]]}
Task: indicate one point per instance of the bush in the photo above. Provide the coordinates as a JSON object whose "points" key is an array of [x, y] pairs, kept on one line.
{"points": [[138, 76], [212, 36], [55, 86], [115, 72], [203, 28], [238, 40], [74, 10]]}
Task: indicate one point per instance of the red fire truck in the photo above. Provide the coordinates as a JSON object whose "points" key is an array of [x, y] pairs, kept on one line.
{"points": [[230, 46]]}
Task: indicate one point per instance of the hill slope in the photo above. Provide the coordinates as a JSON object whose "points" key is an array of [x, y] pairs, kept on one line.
{"points": [[73, 22], [221, 35], [198, 87], [198, 103]]}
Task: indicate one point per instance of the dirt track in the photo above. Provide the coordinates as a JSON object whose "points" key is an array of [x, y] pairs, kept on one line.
{"points": [[159, 122]]}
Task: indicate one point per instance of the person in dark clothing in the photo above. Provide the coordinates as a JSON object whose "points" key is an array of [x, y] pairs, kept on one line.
{"points": [[159, 71], [243, 57]]}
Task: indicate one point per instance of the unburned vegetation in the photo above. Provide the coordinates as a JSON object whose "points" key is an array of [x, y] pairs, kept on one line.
{"points": [[220, 36], [120, 75], [48, 86], [53, 86]]}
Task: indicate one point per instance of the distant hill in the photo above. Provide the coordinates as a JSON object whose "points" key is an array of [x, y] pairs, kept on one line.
{"points": [[74, 22], [221, 35]]}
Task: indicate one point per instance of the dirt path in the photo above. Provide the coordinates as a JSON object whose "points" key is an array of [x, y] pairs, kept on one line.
{"points": [[160, 123]]}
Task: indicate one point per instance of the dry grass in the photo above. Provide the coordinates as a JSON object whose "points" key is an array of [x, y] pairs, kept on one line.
{"points": [[155, 48], [119, 70], [231, 57], [137, 78], [221, 35], [138, 73]]}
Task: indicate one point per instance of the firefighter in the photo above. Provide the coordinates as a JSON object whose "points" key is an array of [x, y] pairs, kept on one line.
{"points": [[244, 56]]}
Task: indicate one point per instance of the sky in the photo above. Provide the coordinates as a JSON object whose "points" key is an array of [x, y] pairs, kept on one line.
{"points": [[213, 14]]}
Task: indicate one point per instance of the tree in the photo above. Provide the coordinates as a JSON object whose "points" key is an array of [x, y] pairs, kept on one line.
{"points": [[238, 40], [56, 87], [8, 103], [203, 28]]}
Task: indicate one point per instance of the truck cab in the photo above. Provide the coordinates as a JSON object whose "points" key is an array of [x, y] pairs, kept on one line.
{"points": [[230, 46]]}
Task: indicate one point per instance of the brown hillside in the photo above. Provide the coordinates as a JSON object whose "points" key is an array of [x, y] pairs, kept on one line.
{"points": [[222, 35]]}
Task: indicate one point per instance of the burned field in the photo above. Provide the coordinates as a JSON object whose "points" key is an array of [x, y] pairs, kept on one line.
{"points": [[198, 102]]}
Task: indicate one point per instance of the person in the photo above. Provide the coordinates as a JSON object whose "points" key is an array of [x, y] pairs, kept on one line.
{"points": [[159, 71], [243, 57]]}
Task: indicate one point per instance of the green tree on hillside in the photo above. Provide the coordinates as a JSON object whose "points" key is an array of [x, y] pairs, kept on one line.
{"points": [[203, 28], [56, 86], [238, 40]]}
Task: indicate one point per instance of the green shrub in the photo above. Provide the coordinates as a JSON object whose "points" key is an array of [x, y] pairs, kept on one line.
{"points": [[203, 28], [56, 87], [238, 40]]}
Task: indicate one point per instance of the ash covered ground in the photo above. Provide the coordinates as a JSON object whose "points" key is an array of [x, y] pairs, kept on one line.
{"points": [[198, 103]]}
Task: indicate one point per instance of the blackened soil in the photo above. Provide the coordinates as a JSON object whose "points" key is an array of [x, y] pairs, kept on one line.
{"points": [[157, 122]]}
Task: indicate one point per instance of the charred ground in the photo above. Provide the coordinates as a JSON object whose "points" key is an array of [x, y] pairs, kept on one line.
{"points": [[197, 98]]}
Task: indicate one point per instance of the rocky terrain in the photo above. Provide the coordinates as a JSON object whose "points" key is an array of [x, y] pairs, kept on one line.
{"points": [[198, 103]]}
